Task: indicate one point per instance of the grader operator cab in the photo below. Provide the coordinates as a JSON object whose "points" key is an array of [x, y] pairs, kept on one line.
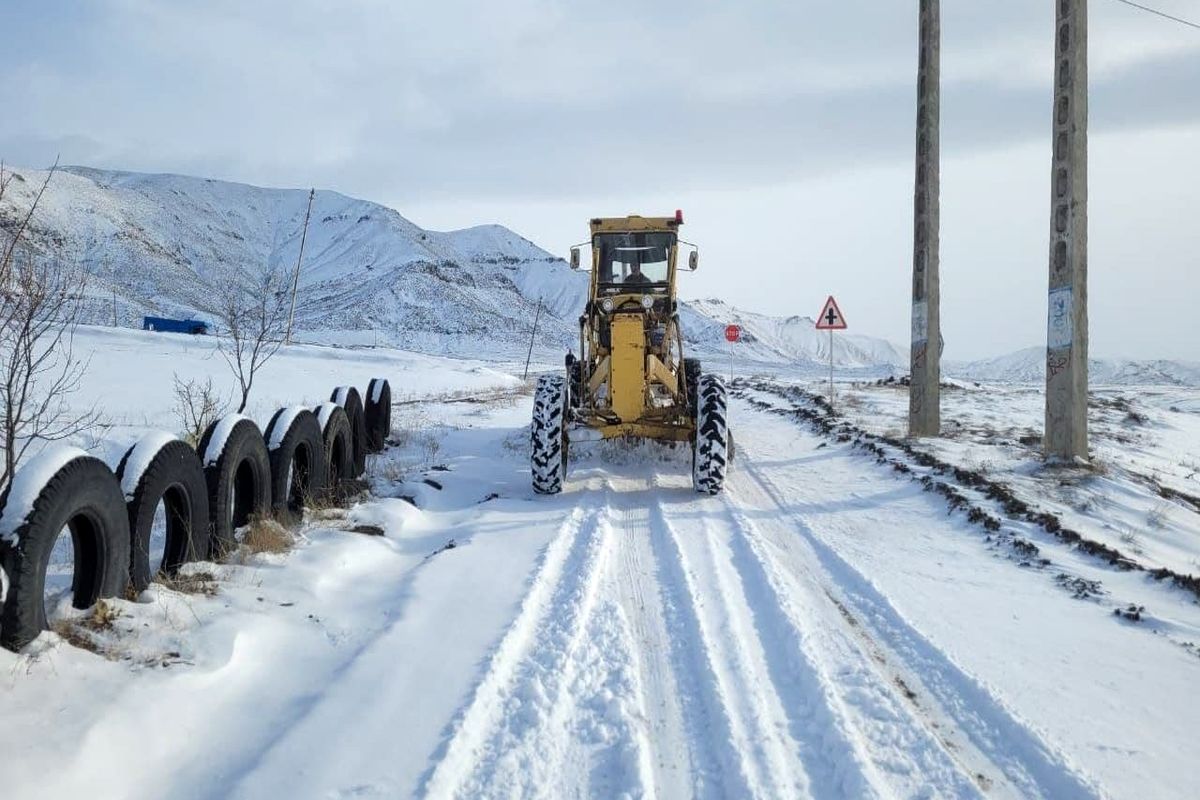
{"points": [[631, 379]]}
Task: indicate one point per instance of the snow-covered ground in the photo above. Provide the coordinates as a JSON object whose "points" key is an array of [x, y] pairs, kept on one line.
{"points": [[1141, 494], [129, 378], [825, 628]]}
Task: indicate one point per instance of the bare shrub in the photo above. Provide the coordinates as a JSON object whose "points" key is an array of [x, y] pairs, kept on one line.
{"points": [[197, 405], [254, 314], [39, 313]]}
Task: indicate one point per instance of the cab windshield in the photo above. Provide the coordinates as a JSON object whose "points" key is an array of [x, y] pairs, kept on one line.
{"points": [[628, 260]]}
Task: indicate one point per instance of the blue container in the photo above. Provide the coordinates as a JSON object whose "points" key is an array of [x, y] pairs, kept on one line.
{"points": [[192, 326]]}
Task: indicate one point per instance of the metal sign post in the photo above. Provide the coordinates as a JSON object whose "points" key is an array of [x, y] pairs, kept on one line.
{"points": [[831, 319], [733, 333], [831, 368]]}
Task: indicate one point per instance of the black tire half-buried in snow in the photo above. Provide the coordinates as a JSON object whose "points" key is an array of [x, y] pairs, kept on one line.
{"points": [[297, 450], [169, 472], [339, 448], [378, 413], [83, 497], [237, 470], [711, 449], [548, 441], [348, 398]]}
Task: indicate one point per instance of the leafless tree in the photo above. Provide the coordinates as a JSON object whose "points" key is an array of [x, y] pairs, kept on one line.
{"points": [[254, 315], [39, 311], [196, 406]]}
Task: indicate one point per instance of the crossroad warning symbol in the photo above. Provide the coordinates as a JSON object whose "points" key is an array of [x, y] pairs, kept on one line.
{"points": [[830, 318]]}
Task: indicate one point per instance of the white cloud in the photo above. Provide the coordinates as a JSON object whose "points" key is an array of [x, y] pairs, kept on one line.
{"points": [[784, 128]]}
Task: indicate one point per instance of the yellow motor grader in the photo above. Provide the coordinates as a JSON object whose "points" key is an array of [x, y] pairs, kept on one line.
{"points": [[631, 379]]}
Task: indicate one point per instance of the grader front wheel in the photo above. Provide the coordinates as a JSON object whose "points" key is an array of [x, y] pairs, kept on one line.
{"points": [[548, 441], [712, 447]]}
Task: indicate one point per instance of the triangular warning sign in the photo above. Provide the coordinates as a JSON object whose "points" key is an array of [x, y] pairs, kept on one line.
{"points": [[830, 318]]}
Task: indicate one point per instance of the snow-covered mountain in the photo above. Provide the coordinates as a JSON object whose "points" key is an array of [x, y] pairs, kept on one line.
{"points": [[1029, 366], [787, 339], [158, 244]]}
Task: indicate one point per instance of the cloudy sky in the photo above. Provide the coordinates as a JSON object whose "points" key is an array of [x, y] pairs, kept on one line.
{"points": [[783, 129]]}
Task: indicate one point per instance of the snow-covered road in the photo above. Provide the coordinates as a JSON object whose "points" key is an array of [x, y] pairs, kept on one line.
{"points": [[823, 629]]}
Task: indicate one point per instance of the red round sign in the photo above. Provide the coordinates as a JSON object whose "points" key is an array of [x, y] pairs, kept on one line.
{"points": [[733, 333]]}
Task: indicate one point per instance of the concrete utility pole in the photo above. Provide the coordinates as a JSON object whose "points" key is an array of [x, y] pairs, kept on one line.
{"points": [[296, 276], [1067, 329], [924, 391]]}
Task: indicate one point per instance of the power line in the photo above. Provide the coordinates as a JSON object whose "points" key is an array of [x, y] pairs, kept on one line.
{"points": [[1162, 14]]}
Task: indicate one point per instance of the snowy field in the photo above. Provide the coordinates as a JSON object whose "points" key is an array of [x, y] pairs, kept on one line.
{"points": [[825, 628], [1142, 491]]}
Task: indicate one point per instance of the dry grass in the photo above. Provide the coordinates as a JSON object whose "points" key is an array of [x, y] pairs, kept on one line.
{"points": [[495, 396], [1132, 541], [327, 512], [83, 632], [265, 534], [195, 583], [852, 401], [1158, 517], [390, 471]]}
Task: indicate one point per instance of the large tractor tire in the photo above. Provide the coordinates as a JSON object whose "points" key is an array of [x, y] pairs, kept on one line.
{"points": [[378, 414], [162, 469], [348, 398], [339, 450], [712, 448], [237, 470], [296, 445], [548, 438], [79, 493]]}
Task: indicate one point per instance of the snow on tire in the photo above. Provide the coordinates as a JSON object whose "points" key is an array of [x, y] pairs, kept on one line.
{"points": [[60, 489], [348, 398], [339, 448], [711, 450], [378, 414], [162, 469], [548, 442], [237, 470], [297, 451]]}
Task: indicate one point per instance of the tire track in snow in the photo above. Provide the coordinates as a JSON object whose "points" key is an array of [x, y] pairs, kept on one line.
{"points": [[838, 697], [1026, 761], [754, 758], [521, 732], [679, 748]]}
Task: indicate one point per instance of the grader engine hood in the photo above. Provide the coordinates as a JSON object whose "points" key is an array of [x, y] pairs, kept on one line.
{"points": [[628, 366]]}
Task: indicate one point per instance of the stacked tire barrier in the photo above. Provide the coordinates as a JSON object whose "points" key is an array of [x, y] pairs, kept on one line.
{"points": [[233, 474]]}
